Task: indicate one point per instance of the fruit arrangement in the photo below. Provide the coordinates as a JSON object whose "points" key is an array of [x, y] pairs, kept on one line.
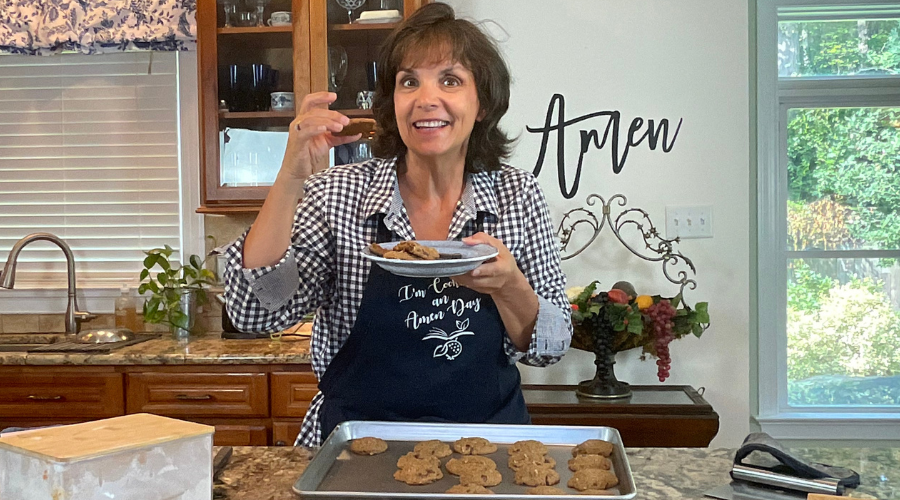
{"points": [[619, 319]]}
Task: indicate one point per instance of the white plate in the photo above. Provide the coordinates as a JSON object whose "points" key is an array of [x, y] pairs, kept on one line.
{"points": [[472, 257], [379, 20]]}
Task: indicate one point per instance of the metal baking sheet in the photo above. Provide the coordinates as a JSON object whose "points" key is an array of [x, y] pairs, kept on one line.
{"points": [[335, 472]]}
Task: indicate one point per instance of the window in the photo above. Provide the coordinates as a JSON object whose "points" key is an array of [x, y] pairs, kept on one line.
{"points": [[100, 151], [829, 219]]}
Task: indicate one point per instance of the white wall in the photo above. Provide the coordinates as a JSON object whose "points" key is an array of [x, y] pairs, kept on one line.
{"points": [[654, 59]]}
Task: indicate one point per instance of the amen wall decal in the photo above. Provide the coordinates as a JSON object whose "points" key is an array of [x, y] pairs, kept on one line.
{"points": [[639, 130]]}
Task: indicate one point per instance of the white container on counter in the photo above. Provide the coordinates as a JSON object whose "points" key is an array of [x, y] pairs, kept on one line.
{"points": [[133, 457]]}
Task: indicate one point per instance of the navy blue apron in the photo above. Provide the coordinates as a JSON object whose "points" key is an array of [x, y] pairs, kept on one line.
{"points": [[422, 349]]}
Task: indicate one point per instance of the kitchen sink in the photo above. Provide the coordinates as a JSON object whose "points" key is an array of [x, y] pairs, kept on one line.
{"points": [[27, 342], [58, 343]]}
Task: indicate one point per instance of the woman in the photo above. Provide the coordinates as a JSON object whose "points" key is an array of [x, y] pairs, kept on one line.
{"points": [[438, 175]]}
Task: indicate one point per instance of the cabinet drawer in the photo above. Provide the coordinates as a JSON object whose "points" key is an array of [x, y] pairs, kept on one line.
{"points": [[72, 395], [292, 393], [198, 394], [284, 432]]}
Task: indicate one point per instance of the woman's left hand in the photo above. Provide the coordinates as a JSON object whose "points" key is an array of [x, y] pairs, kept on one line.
{"points": [[493, 275]]}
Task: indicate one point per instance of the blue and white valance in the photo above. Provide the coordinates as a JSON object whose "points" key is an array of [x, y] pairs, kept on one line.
{"points": [[42, 27]]}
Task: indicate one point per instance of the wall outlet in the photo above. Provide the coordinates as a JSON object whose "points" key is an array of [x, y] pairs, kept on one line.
{"points": [[689, 222]]}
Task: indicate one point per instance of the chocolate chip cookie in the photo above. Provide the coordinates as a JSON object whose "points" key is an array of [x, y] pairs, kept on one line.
{"points": [[593, 447], [474, 446], [368, 446]]}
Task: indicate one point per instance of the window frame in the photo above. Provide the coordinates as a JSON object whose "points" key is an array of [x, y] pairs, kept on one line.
{"points": [[775, 96], [29, 300]]}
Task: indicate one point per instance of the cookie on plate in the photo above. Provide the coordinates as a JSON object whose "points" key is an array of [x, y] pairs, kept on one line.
{"points": [[593, 447], [520, 460], [589, 462], [457, 466], [535, 475], [411, 459], [433, 447], [593, 479], [474, 446], [418, 474], [368, 446], [470, 489], [529, 446], [484, 477]]}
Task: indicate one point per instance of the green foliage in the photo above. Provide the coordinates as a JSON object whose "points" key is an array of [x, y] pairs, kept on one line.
{"points": [[165, 286], [825, 390], [855, 333], [806, 288]]}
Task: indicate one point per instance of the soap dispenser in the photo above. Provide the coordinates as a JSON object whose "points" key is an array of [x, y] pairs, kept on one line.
{"points": [[126, 310]]}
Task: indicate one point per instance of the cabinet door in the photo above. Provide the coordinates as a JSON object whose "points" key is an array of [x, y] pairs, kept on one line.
{"points": [[242, 65], [61, 394], [284, 432], [198, 394], [292, 393]]}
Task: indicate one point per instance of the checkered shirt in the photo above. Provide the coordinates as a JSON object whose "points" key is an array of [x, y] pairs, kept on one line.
{"points": [[323, 270]]}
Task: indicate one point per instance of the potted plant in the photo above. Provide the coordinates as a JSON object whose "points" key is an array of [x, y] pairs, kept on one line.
{"points": [[175, 289], [609, 322]]}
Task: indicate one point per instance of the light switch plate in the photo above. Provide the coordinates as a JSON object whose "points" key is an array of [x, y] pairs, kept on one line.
{"points": [[689, 222]]}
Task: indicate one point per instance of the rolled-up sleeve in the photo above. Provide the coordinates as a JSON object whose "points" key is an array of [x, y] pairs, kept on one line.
{"points": [[272, 298], [540, 263]]}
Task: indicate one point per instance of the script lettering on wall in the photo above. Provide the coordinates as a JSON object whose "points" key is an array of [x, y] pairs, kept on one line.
{"points": [[637, 132]]}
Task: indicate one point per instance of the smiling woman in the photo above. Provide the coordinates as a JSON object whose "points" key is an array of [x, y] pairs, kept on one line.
{"points": [[390, 342]]}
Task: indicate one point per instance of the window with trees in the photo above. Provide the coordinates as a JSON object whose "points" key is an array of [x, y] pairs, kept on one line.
{"points": [[829, 215]]}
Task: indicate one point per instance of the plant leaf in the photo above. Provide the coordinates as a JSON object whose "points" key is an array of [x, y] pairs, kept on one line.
{"points": [[195, 261]]}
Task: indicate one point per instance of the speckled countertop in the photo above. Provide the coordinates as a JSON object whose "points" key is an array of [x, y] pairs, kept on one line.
{"points": [[267, 473], [165, 350]]}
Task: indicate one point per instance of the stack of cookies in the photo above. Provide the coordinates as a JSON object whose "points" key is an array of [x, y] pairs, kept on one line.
{"points": [[423, 464], [591, 464]]}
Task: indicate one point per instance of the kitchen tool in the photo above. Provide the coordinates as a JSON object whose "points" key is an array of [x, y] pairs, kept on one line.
{"points": [[123, 458], [104, 336], [336, 473], [471, 256]]}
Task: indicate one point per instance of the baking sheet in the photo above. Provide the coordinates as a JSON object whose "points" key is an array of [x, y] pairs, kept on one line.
{"points": [[335, 472]]}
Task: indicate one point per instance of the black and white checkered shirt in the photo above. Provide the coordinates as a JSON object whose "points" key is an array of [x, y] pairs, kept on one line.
{"points": [[323, 270]]}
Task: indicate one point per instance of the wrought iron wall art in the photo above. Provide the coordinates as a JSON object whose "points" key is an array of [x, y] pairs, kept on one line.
{"points": [[659, 249], [675, 266]]}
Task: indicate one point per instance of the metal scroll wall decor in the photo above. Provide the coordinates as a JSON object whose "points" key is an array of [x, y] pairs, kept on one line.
{"points": [[674, 264]]}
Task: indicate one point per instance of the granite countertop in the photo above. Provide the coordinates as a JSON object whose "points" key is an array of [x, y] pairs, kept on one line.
{"points": [[165, 350], [267, 473]]}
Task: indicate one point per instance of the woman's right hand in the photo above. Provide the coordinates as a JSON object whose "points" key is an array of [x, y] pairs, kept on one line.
{"points": [[310, 138]]}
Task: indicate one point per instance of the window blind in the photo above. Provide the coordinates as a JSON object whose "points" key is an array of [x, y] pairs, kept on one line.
{"points": [[88, 152]]}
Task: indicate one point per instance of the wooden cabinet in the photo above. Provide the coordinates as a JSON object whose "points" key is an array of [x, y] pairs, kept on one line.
{"points": [[300, 54], [654, 416], [249, 405], [198, 394], [54, 393]]}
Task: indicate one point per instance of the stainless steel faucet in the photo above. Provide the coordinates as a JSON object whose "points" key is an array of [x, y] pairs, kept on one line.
{"points": [[74, 317]]}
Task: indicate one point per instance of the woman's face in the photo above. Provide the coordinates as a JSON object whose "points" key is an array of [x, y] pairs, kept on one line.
{"points": [[436, 106]]}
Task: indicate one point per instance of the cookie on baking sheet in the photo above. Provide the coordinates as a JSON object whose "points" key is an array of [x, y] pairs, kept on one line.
{"points": [[593, 479], [545, 490], [368, 446], [411, 459], [589, 462], [457, 466], [417, 474], [529, 446], [474, 446], [489, 477], [520, 460], [535, 475], [470, 489], [593, 447], [434, 448]]}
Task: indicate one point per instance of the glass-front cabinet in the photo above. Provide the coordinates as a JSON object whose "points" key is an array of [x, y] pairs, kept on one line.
{"points": [[257, 59]]}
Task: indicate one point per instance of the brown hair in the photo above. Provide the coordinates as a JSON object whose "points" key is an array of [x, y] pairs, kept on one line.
{"points": [[433, 32]]}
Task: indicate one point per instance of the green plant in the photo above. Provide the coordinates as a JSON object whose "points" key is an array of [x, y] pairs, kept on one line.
{"points": [[166, 286]]}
